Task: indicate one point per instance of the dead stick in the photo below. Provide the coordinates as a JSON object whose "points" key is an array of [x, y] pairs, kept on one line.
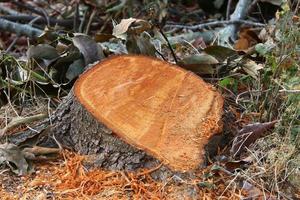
{"points": [[215, 23], [19, 29], [229, 32], [150, 170], [228, 9], [22, 120]]}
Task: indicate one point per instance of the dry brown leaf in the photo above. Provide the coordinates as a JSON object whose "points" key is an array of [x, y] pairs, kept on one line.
{"points": [[252, 68], [120, 30], [247, 39], [248, 135]]}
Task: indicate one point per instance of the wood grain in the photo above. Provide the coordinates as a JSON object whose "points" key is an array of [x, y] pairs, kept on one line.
{"points": [[163, 109]]}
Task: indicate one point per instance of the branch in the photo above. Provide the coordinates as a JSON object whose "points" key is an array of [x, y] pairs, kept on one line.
{"points": [[21, 120], [207, 37], [228, 9], [215, 23], [229, 32], [19, 29]]}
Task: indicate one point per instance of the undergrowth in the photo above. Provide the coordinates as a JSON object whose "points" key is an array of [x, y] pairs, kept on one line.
{"points": [[276, 96]]}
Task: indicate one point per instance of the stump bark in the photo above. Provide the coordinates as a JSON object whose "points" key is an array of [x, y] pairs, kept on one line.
{"points": [[74, 127]]}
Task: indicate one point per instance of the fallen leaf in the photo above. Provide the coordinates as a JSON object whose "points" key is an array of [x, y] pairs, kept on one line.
{"points": [[252, 68], [120, 30], [42, 51], [234, 165], [12, 156], [264, 48], [202, 63], [103, 37], [248, 135], [122, 27], [255, 193], [75, 69], [140, 44], [199, 43], [247, 39], [90, 50], [220, 53]]}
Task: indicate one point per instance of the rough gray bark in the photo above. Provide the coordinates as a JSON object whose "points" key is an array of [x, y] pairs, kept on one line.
{"points": [[76, 128]]}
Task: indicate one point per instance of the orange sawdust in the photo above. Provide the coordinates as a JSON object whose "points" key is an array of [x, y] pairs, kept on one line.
{"points": [[68, 179], [72, 180]]}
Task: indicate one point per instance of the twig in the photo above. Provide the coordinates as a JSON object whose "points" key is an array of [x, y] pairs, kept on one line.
{"points": [[21, 120], [17, 37], [297, 7], [169, 45], [83, 20], [12, 44], [87, 29], [37, 150], [150, 170], [215, 23], [289, 91], [160, 54], [228, 9], [207, 37], [46, 16], [19, 29], [252, 6], [76, 17]]}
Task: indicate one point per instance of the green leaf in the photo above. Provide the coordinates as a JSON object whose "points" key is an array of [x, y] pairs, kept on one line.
{"points": [[206, 185], [227, 82], [265, 48]]}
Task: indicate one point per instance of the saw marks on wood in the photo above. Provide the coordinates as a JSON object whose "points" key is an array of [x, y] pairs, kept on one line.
{"points": [[167, 111]]}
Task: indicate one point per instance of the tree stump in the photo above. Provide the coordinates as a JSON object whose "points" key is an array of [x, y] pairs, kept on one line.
{"points": [[134, 112]]}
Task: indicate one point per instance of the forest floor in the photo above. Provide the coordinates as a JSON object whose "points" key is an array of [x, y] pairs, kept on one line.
{"points": [[249, 50]]}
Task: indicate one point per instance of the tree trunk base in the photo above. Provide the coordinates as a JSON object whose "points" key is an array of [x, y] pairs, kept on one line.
{"points": [[75, 128]]}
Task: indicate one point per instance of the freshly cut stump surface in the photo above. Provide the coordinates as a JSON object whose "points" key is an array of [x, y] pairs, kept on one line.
{"points": [[168, 112]]}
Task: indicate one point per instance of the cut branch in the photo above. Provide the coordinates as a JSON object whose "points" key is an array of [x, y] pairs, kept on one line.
{"points": [[215, 23], [19, 29]]}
